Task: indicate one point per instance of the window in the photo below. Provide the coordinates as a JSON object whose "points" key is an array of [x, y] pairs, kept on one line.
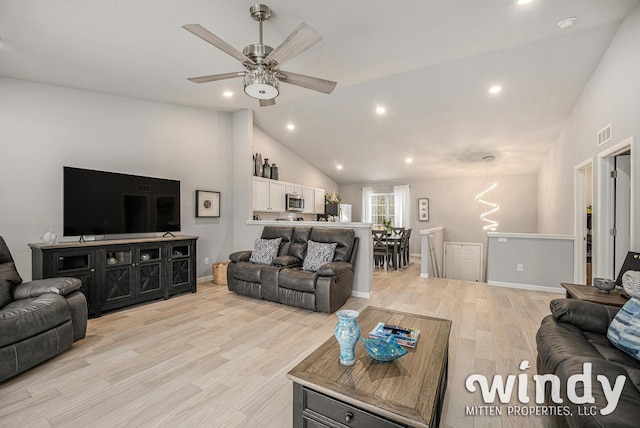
{"points": [[382, 206]]}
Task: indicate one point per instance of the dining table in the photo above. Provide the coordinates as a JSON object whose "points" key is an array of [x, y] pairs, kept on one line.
{"points": [[394, 241]]}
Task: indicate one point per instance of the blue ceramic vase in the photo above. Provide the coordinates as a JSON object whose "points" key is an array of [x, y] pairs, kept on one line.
{"points": [[347, 333]]}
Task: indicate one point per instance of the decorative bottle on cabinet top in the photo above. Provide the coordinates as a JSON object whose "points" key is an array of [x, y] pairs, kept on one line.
{"points": [[266, 169], [274, 172]]}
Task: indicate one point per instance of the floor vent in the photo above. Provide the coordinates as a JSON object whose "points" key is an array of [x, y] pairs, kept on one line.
{"points": [[604, 135]]}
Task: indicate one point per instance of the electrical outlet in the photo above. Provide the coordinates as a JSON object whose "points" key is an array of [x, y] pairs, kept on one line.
{"points": [[206, 260], [520, 267]]}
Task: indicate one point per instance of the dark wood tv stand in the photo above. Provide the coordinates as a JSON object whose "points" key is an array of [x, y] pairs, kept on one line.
{"points": [[121, 272]]}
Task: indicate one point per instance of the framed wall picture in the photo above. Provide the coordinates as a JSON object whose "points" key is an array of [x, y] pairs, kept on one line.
{"points": [[423, 209], [207, 203]]}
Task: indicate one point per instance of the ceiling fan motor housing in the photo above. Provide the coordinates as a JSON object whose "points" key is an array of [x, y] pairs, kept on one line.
{"points": [[257, 52]]}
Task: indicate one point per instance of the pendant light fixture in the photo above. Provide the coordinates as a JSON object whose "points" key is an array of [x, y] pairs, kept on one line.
{"points": [[492, 224]]}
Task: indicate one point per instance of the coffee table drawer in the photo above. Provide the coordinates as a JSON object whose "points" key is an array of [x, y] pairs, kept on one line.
{"points": [[334, 413]]}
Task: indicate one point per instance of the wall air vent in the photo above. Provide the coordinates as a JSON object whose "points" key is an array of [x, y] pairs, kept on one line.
{"points": [[604, 135]]}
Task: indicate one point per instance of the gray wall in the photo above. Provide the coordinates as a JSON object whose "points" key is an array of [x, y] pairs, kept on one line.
{"points": [[612, 96], [47, 127], [547, 261], [452, 204]]}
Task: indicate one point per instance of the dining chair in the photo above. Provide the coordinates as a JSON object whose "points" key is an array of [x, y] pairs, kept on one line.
{"points": [[397, 230], [380, 248], [405, 246]]}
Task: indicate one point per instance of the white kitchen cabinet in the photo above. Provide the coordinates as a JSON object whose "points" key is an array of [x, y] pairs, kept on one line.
{"points": [[268, 195], [293, 188], [277, 191], [318, 202], [260, 194], [308, 195]]}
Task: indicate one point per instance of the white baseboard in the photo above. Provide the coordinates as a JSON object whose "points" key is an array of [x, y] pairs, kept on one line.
{"points": [[362, 294], [205, 278], [544, 288]]}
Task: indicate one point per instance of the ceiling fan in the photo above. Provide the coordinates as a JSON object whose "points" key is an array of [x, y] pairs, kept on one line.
{"points": [[262, 62]]}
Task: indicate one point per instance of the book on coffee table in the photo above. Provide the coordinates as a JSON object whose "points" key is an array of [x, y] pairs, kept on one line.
{"points": [[405, 336]]}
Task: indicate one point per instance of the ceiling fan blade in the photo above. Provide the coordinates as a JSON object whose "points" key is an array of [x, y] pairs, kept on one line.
{"points": [[267, 103], [214, 77], [301, 39], [313, 83], [216, 41]]}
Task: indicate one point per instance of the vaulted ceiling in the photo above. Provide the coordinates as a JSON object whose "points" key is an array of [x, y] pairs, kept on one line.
{"points": [[429, 63]]}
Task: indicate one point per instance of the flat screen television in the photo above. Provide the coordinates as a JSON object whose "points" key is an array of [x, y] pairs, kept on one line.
{"points": [[108, 203]]}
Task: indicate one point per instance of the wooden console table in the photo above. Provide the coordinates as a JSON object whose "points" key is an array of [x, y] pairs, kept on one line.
{"points": [[406, 392], [121, 272], [591, 294]]}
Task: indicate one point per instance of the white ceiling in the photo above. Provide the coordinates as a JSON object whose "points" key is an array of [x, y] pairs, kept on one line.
{"points": [[428, 62]]}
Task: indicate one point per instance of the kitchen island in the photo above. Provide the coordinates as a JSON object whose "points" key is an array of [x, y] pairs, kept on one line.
{"points": [[363, 273]]}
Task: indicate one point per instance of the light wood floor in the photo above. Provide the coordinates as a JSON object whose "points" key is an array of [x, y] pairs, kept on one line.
{"points": [[215, 359]]}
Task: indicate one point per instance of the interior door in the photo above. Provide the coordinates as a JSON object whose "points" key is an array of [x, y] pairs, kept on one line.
{"points": [[463, 261], [622, 225]]}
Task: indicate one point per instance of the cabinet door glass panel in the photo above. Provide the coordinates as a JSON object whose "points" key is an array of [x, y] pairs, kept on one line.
{"points": [[118, 284]]}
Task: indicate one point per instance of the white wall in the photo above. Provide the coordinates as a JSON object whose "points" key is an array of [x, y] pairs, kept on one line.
{"points": [[452, 204], [612, 96], [47, 127], [291, 167]]}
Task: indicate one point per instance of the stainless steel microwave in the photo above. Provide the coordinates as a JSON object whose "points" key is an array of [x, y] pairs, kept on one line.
{"points": [[295, 202]]}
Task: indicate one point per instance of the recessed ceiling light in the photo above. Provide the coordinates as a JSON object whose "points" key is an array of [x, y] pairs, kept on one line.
{"points": [[566, 23], [495, 89], [381, 110], [522, 2], [338, 166], [291, 126], [227, 94], [408, 160]]}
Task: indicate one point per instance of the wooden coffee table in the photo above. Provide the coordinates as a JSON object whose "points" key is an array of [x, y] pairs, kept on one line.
{"points": [[591, 294], [406, 392]]}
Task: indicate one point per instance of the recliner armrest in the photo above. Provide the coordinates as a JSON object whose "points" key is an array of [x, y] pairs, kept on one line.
{"points": [[587, 316], [334, 268], [61, 286], [240, 256], [286, 261]]}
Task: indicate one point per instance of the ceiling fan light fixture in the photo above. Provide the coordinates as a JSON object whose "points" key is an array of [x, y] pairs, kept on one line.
{"points": [[261, 84]]}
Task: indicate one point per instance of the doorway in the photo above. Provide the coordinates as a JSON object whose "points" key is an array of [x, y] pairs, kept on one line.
{"points": [[614, 232], [584, 214], [463, 261]]}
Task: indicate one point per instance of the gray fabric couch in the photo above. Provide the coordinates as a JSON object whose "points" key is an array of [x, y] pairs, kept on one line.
{"points": [[284, 280], [576, 333], [38, 319]]}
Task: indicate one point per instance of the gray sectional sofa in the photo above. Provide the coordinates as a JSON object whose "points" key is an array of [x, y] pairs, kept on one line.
{"points": [[285, 281], [38, 319]]}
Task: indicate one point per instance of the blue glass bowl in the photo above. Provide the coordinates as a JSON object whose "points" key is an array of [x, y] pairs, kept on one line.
{"points": [[384, 349]]}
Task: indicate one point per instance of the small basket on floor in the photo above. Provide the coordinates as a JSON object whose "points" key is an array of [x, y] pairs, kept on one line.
{"points": [[220, 273]]}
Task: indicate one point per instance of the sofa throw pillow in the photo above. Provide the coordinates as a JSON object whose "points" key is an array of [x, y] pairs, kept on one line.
{"points": [[624, 330], [265, 250], [318, 254]]}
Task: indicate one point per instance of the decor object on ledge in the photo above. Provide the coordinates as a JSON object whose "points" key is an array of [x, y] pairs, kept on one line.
{"points": [[631, 283], [257, 165], [423, 209], [207, 203], [604, 285], [347, 332], [266, 169], [384, 348], [274, 172], [492, 224]]}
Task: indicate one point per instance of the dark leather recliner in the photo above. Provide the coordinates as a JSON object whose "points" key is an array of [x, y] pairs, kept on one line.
{"points": [[576, 333], [284, 280], [38, 319]]}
